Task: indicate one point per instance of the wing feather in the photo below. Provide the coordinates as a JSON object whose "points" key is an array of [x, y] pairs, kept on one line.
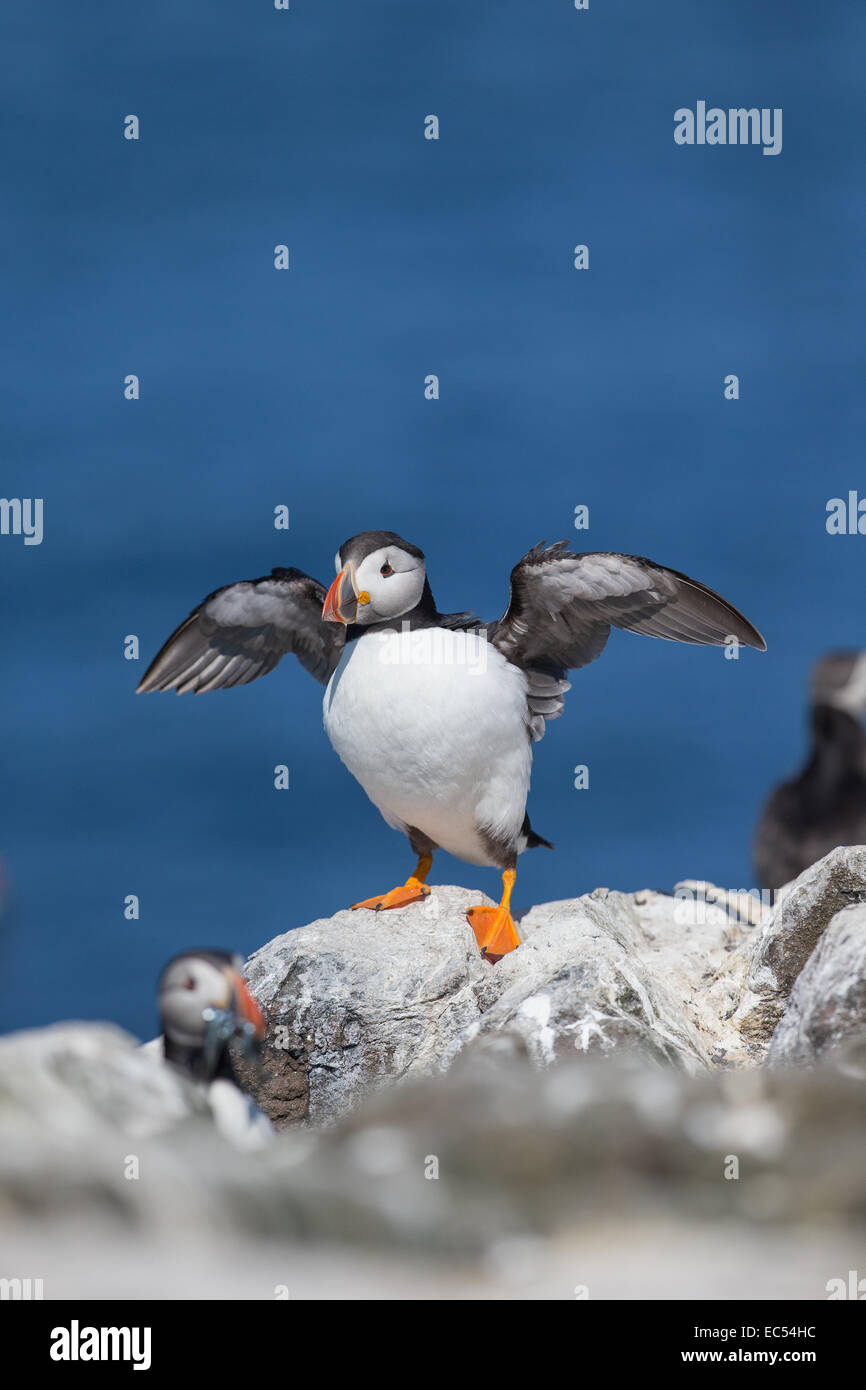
{"points": [[562, 607], [242, 631]]}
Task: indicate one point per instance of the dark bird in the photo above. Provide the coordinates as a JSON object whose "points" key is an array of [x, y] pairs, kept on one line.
{"points": [[433, 713], [824, 805], [205, 1010]]}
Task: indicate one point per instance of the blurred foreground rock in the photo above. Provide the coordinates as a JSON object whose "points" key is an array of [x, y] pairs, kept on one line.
{"points": [[498, 1180]]}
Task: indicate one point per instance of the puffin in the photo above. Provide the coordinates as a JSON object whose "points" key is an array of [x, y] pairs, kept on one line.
{"points": [[825, 804], [436, 714], [204, 1007]]}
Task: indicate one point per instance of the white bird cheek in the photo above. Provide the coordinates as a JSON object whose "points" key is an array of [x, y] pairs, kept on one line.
{"points": [[398, 593], [394, 594]]}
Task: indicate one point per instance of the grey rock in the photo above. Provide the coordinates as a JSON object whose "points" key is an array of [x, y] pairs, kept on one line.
{"points": [[698, 980], [582, 982], [826, 1013], [790, 934], [361, 998], [91, 1074], [497, 1179]]}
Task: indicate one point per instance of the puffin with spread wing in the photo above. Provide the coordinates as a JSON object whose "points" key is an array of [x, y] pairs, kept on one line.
{"points": [[433, 713]]}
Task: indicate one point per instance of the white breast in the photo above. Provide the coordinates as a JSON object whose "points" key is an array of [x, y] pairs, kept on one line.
{"points": [[237, 1118], [433, 724]]}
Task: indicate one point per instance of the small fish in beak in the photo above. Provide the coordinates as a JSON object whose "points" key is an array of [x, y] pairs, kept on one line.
{"points": [[241, 1019]]}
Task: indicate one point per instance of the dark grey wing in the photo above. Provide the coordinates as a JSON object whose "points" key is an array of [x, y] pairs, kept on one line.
{"points": [[563, 606], [241, 632]]}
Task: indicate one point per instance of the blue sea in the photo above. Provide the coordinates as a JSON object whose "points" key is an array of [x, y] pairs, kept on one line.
{"points": [[558, 388]]}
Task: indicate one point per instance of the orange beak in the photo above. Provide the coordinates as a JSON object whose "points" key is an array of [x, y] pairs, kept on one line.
{"points": [[246, 1006], [343, 597]]}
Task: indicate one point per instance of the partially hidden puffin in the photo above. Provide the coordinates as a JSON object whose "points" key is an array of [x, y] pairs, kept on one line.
{"points": [[435, 714], [825, 804], [205, 1007]]}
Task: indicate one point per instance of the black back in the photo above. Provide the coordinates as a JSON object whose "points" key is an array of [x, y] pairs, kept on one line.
{"points": [[824, 807]]}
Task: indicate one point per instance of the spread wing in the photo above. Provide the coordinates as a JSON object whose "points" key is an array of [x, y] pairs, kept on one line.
{"points": [[241, 632], [563, 606]]}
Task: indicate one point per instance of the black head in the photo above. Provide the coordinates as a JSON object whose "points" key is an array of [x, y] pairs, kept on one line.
{"points": [[839, 681], [357, 548]]}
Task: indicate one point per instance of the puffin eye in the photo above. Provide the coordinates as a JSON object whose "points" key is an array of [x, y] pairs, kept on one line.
{"points": [[386, 569]]}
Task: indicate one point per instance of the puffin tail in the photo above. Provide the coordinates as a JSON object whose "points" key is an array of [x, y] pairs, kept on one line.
{"points": [[533, 840]]}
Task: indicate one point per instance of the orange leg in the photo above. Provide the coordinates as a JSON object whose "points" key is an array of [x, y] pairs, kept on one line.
{"points": [[411, 891], [494, 927]]}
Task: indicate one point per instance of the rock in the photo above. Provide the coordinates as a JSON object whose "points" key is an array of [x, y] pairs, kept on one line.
{"points": [[698, 980], [826, 1013], [89, 1075], [362, 997], [495, 1180], [582, 982], [789, 935]]}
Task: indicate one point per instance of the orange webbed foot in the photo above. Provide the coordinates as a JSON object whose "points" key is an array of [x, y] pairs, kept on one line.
{"points": [[494, 931], [494, 927], [412, 891]]}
